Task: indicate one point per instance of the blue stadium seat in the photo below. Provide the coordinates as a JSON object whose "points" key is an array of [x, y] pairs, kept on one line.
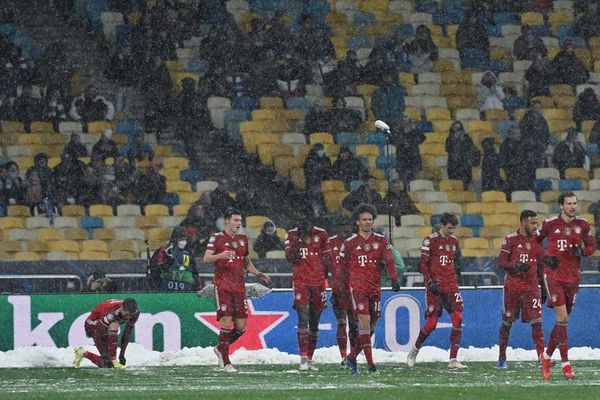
{"points": [[300, 102], [232, 120], [364, 161], [91, 223], [493, 30], [502, 127], [435, 219], [566, 185], [385, 162], [424, 125], [592, 150], [471, 220], [318, 9], [542, 185], [426, 6], [197, 66], [363, 18], [356, 184], [246, 103], [378, 138], [171, 199], [347, 138], [566, 32], [475, 58], [123, 34], [407, 30], [359, 42], [128, 128], [541, 30], [192, 176], [10, 31], [506, 18], [454, 11]]}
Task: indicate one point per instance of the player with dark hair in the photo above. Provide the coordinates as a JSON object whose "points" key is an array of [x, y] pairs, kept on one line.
{"points": [[439, 253], [103, 326], [340, 291], [520, 256], [228, 250], [304, 249], [569, 238], [362, 255]]}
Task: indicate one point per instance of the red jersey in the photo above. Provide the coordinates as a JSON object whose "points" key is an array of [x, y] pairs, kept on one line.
{"points": [[363, 257], [438, 255], [307, 258], [517, 248], [230, 274], [109, 311], [339, 273], [562, 236]]}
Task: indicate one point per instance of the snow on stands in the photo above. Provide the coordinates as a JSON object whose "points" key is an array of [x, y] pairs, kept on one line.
{"points": [[137, 356]]}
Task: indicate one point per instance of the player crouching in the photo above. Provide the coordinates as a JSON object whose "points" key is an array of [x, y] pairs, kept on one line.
{"points": [[103, 326]]}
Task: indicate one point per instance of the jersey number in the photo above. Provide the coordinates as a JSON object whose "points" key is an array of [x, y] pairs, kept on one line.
{"points": [[458, 298], [537, 303], [377, 306]]}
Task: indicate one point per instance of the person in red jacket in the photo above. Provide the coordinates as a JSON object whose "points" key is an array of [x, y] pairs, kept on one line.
{"points": [[304, 248], [103, 326], [568, 238]]}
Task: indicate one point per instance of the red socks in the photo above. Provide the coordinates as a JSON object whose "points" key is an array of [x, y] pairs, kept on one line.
{"points": [[456, 333], [303, 341], [223, 346], [503, 340], [559, 337], [96, 359], [313, 338], [537, 335], [236, 335], [430, 324], [364, 337], [342, 338]]}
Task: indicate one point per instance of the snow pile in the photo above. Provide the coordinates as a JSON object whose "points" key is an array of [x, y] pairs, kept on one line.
{"points": [[138, 356]]}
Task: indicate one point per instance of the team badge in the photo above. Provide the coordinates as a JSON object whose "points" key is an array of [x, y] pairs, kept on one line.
{"points": [[212, 239], [577, 230], [430, 308], [528, 246], [367, 247], [361, 306], [316, 239], [223, 307], [242, 243], [234, 245], [567, 231], [426, 242], [508, 314], [447, 247], [375, 246], [453, 247], [298, 296], [554, 298]]}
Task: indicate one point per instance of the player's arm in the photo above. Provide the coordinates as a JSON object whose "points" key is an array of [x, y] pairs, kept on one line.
{"points": [[390, 264], [125, 341], [211, 257], [543, 232], [425, 267], [458, 262], [504, 256], [254, 271], [292, 246], [589, 242]]}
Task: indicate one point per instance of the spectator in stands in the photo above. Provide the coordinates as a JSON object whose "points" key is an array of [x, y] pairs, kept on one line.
{"points": [[33, 189], [150, 187], [471, 34], [462, 154], [407, 139], [489, 94], [51, 70], [267, 240], [570, 153], [490, 166], [111, 192], [192, 117], [378, 67], [314, 42], [321, 73], [587, 25], [317, 168], [568, 69], [125, 175], [517, 161], [422, 51], [6, 113], [335, 120], [528, 46], [594, 209], [67, 176], [13, 188], [90, 188], [292, 77], [220, 199], [198, 227], [137, 149], [90, 106], [255, 40], [156, 82], [43, 176], [586, 108], [280, 37], [55, 107], [27, 108], [512, 102], [75, 148], [595, 135], [347, 167], [387, 102], [251, 201], [539, 76], [124, 70], [264, 76], [14, 71], [349, 74], [367, 194], [397, 202], [163, 46], [535, 132], [105, 147]]}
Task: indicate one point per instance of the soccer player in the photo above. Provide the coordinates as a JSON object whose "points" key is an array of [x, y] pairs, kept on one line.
{"points": [[568, 239], [439, 252], [304, 248], [228, 250], [103, 326], [362, 255], [520, 256], [340, 292]]}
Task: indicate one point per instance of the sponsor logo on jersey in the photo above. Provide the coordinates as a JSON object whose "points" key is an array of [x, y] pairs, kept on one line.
{"points": [[448, 247], [554, 298], [212, 239], [557, 230], [298, 296], [520, 246]]}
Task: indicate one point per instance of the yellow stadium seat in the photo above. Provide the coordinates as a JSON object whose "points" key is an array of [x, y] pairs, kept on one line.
{"points": [[497, 243], [496, 115], [180, 210], [48, 234], [93, 255], [500, 219], [284, 164], [442, 126], [256, 221], [443, 65], [175, 162], [19, 211], [103, 234], [10, 246], [148, 222], [75, 234], [462, 232], [425, 208], [474, 253], [271, 102], [451, 185], [493, 196], [73, 211], [564, 101], [507, 208], [501, 54], [64, 245], [94, 245], [178, 186], [367, 150], [297, 178], [173, 65], [498, 231], [333, 201], [41, 127], [187, 198], [577, 173], [556, 113], [101, 210], [178, 76], [436, 113], [39, 246], [474, 125], [461, 197], [122, 255], [432, 149], [413, 113], [27, 256], [124, 245], [406, 78], [332, 186], [97, 127], [321, 137], [159, 210], [561, 90], [265, 114], [171, 174], [159, 234], [476, 243], [560, 18], [34, 139], [560, 125], [532, 18], [458, 102], [365, 89], [251, 139], [479, 208], [12, 127]]}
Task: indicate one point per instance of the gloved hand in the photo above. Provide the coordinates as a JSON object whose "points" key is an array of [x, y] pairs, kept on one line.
{"points": [[577, 251], [550, 262], [335, 299], [395, 285], [122, 359], [433, 287], [521, 268], [106, 362]]}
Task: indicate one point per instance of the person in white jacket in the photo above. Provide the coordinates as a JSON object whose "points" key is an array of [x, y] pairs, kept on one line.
{"points": [[489, 94], [90, 106]]}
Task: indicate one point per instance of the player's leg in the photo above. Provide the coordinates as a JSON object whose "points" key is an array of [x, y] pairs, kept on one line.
{"points": [[341, 334], [510, 313], [224, 302], [112, 342], [433, 307], [454, 306], [97, 334], [318, 303], [563, 336], [557, 300], [240, 317], [303, 312], [360, 304], [531, 311]]}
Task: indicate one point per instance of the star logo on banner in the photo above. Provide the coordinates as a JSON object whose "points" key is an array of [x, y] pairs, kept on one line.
{"points": [[258, 325]]}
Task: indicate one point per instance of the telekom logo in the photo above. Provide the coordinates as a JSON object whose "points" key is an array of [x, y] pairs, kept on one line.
{"points": [[524, 258], [444, 260], [561, 244], [362, 260], [303, 252]]}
